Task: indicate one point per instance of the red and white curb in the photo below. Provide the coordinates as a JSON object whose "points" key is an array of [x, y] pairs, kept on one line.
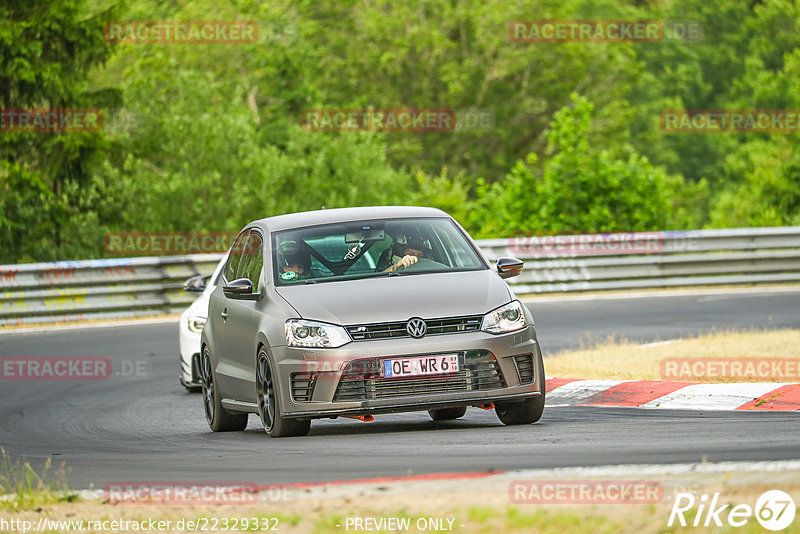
{"points": [[763, 396]]}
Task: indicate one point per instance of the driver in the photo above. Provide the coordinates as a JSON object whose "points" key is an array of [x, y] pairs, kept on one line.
{"points": [[405, 251], [293, 262]]}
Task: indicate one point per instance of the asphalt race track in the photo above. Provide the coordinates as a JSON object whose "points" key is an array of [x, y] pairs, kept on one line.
{"points": [[145, 427], [568, 323]]}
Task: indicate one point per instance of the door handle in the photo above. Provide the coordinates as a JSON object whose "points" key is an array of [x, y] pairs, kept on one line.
{"points": [[224, 314]]}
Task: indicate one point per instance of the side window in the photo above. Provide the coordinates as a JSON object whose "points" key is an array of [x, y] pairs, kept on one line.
{"points": [[234, 258], [252, 260]]}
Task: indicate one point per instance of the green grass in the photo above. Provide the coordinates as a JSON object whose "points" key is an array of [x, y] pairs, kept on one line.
{"points": [[480, 515], [292, 520], [22, 488]]}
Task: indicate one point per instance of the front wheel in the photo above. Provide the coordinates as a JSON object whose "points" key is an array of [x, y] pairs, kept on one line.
{"points": [[219, 419], [274, 423], [525, 412]]}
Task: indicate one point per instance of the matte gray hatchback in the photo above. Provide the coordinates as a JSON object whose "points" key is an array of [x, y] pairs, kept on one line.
{"points": [[362, 311]]}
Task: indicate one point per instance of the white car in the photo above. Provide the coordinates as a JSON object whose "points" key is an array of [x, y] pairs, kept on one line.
{"points": [[191, 325]]}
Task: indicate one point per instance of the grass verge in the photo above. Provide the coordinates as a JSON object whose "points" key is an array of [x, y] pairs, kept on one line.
{"points": [[624, 360], [22, 488], [466, 510]]}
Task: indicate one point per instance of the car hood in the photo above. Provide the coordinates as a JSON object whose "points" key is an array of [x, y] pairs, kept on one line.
{"points": [[398, 298]]}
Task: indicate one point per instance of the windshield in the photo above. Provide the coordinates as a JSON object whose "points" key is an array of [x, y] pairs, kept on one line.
{"points": [[361, 249]]}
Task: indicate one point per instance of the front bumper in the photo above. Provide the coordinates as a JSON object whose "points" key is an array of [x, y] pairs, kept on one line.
{"points": [[316, 383], [189, 346], [190, 371]]}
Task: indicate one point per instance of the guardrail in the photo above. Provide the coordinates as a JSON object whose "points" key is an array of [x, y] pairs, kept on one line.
{"points": [[98, 289], [652, 259], [130, 287]]}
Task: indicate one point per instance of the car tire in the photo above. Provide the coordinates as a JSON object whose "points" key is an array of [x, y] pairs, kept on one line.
{"points": [[525, 412], [447, 414], [218, 418], [269, 411]]}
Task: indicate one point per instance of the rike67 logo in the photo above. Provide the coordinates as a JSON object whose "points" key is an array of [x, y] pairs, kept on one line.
{"points": [[774, 510]]}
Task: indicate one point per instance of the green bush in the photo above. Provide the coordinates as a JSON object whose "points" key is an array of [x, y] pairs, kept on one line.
{"points": [[578, 189]]}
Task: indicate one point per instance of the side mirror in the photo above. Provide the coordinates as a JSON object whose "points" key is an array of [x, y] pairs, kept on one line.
{"points": [[196, 283], [508, 267], [241, 288]]}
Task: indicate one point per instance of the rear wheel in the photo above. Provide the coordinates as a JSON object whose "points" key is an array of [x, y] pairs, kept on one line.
{"points": [[447, 414], [219, 419], [525, 412], [275, 425]]}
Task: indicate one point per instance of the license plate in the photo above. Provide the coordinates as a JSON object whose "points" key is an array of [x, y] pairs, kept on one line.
{"points": [[440, 364]]}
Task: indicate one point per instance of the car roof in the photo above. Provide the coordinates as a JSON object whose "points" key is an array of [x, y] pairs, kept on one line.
{"points": [[338, 215]]}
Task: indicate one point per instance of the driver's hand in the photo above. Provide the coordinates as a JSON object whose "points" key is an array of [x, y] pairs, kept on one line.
{"points": [[405, 261]]}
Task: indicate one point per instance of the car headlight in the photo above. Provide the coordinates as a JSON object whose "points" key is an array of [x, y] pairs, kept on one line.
{"points": [[196, 323], [302, 333], [504, 319]]}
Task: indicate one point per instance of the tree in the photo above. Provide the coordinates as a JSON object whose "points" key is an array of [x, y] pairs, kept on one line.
{"points": [[48, 49], [578, 189], [764, 189]]}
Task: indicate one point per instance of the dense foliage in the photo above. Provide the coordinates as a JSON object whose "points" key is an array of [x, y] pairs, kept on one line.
{"points": [[207, 137]]}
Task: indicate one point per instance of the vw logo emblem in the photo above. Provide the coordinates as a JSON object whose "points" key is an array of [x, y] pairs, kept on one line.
{"points": [[416, 327]]}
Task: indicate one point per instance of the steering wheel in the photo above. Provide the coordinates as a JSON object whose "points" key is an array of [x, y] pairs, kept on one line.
{"points": [[423, 264]]}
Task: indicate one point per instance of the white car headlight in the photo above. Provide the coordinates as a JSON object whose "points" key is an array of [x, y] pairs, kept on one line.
{"points": [[504, 319], [302, 333], [196, 323]]}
